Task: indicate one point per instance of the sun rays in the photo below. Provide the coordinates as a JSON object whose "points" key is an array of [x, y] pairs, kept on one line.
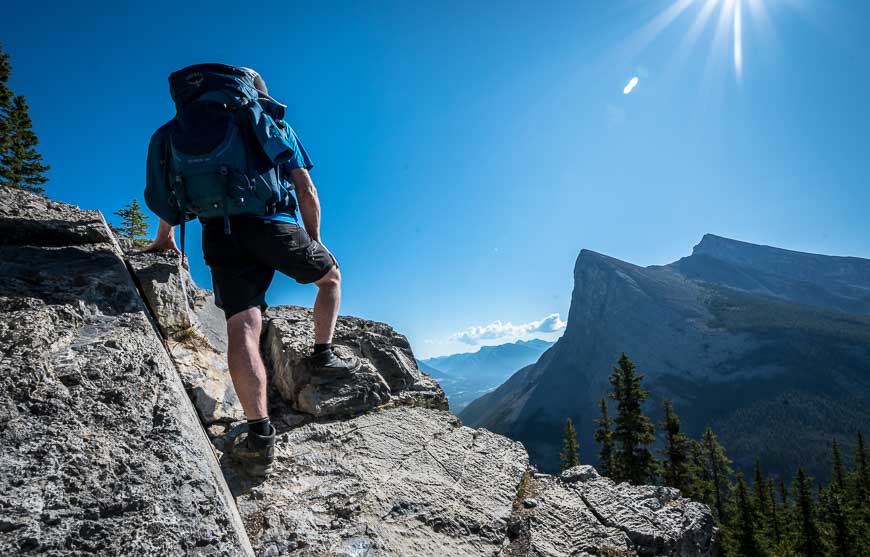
{"points": [[693, 19]]}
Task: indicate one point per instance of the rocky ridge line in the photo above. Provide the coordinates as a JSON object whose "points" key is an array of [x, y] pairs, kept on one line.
{"points": [[371, 466]]}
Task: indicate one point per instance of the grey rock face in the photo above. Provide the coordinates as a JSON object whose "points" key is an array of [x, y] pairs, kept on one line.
{"points": [[195, 331], [740, 337], [582, 513], [388, 371], [100, 450], [403, 481]]}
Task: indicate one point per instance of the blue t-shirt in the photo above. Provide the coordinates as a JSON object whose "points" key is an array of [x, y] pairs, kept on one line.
{"points": [[300, 159]]}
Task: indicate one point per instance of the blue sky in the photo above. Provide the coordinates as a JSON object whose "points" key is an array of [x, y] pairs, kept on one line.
{"points": [[466, 151]]}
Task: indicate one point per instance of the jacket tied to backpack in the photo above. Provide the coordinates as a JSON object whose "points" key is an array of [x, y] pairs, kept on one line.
{"points": [[223, 152]]}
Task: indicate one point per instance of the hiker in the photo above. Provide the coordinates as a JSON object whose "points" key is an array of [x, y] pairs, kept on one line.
{"points": [[228, 158]]}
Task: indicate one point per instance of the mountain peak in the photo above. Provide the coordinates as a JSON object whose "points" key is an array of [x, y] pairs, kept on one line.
{"points": [[711, 244]]}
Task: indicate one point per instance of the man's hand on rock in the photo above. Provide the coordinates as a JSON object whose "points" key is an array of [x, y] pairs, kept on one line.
{"points": [[163, 244], [165, 239]]}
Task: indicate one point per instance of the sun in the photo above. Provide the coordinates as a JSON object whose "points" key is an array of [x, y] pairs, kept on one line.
{"points": [[727, 17]]}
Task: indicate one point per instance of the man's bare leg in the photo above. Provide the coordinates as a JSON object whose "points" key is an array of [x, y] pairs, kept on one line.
{"points": [[246, 366], [325, 315], [326, 306]]}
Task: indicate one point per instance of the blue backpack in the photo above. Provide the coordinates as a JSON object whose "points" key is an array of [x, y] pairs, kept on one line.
{"points": [[221, 155]]}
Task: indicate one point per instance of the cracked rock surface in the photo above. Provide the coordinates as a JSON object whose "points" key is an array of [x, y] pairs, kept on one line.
{"points": [[581, 513], [100, 451], [388, 370], [400, 481]]}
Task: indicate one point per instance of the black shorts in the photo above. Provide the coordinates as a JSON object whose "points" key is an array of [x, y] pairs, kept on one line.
{"points": [[244, 262]]}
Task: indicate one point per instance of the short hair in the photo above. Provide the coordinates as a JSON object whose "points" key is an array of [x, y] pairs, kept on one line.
{"points": [[260, 84]]}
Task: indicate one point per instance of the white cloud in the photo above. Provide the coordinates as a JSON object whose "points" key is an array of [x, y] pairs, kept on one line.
{"points": [[497, 330]]}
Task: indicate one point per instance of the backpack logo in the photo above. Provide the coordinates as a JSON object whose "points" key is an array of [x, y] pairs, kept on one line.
{"points": [[194, 79]]}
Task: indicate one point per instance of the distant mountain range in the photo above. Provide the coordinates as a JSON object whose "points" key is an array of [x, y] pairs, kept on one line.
{"points": [[769, 346], [465, 377]]}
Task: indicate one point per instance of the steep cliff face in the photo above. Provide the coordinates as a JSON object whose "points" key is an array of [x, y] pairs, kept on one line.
{"points": [[752, 339], [103, 452]]}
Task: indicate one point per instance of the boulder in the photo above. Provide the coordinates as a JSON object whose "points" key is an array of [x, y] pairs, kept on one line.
{"points": [[400, 481], [100, 449], [580, 512], [388, 370], [194, 329]]}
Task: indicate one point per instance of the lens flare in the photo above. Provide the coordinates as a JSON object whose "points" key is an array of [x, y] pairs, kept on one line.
{"points": [[738, 41], [727, 19]]}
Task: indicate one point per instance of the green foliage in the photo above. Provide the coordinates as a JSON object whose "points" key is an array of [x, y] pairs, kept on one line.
{"points": [[774, 518], [604, 437], [634, 432], [742, 533], [676, 464], [808, 540], [570, 455], [21, 165], [862, 476], [838, 473], [134, 224], [715, 470], [5, 99]]}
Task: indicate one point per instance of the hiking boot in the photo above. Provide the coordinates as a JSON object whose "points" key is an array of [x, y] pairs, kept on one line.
{"points": [[254, 453], [329, 364]]}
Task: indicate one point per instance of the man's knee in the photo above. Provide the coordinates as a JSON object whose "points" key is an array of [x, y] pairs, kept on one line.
{"points": [[245, 324], [332, 279]]}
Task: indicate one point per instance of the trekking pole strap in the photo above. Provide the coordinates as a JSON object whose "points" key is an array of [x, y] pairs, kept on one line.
{"points": [[182, 206], [225, 172]]}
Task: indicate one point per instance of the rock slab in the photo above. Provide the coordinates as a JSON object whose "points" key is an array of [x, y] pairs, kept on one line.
{"points": [[401, 481], [195, 331], [100, 450], [580, 513]]}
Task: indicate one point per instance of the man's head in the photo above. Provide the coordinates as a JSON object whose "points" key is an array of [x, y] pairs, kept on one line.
{"points": [[259, 83]]}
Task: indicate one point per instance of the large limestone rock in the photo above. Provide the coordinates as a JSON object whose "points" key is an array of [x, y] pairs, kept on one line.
{"points": [[194, 329], [581, 513], [402, 481], [388, 370], [100, 450]]}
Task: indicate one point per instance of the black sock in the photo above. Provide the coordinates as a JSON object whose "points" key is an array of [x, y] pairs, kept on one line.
{"points": [[320, 348], [261, 426]]}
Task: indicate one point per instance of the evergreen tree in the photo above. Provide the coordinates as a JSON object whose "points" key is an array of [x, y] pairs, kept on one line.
{"points": [[20, 164], [570, 455], [634, 431], [743, 533], [838, 472], [604, 437], [134, 224], [783, 493], [775, 521], [839, 533], [702, 478], [718, 470], [760, 487], [809, 543], [5, 100], [676, 470], [862, 487]]}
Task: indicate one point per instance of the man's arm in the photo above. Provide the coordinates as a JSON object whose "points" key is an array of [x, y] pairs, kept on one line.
{"points": [[309, 204], [165, 239]]}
